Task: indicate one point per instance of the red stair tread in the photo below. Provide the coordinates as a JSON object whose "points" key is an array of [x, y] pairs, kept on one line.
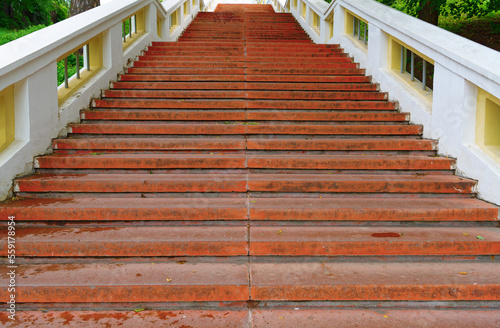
{"points": [[308, 78], [213, 85], [213, 94], [141, 161], [233, 143], [213, 160], [130, 241], [340, 144], [158, 128], [330, 280], [327, 129], [285, 240], [158, 115], [364, 208], [168, 77], [366, 162], [171, 103], [284, 115], [237, 115], [133, 282], [126, 209], [223, 318], [320, 105], [362, 183], [243, 183], [133, 183], [375, 318], [179, 85]]}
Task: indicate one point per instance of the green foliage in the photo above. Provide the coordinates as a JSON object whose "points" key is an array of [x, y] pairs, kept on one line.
{"points": [[472, 8], [9, 35], [454, 8], [71, 68], [21, 14]]}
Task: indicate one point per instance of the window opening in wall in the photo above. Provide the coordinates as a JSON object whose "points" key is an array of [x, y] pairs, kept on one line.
{"points": [[418, 68], [360, 30]]}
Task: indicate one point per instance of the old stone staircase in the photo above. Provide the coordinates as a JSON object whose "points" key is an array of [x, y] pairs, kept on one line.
{"points": [[246, 177]]}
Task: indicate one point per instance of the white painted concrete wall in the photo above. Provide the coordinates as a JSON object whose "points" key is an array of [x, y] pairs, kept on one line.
{"points": [[461, 67], [29, 63]]}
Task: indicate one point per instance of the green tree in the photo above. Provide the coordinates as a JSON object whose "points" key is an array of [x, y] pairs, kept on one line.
{"points": [[21, 14], [79, 6], [430, 10]]}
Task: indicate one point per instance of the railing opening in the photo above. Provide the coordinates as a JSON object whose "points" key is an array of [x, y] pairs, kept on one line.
{"points": [[357, 28], [315, 22], [78, 66], [133, 27], [360, 29], [72, 65], [174, 20], [419, 69]]}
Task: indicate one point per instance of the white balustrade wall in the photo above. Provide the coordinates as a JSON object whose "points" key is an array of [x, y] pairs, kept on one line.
{"points": [[29, 64], [463, 71]]}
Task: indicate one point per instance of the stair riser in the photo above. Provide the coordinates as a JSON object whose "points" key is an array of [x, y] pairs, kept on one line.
{"points": [[237, 185], [113, 294], [218, 94], [237, 115], [237, 144], [241, 71], [384, 248], [242, 86], [150, 144], [250, 78], [241, 61], [230, 129], [226, 248], [128, 249], [367, 214], [410, 292]]}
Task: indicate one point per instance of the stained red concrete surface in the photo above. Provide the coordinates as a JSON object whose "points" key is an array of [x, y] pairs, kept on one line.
{"points": [[131, 241], [363, 208], [310, 241], [225, 161], [126, 209], [131, 282], [322, 280], [232, 143]]}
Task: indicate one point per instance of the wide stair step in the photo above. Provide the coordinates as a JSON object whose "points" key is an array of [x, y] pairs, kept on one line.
{"points": [[196, 279]]}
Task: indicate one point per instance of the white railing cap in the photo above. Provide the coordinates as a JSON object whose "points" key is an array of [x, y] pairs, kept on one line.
{"points": [[320, 7], [470, 54], [171, 5], [17, 53]]}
